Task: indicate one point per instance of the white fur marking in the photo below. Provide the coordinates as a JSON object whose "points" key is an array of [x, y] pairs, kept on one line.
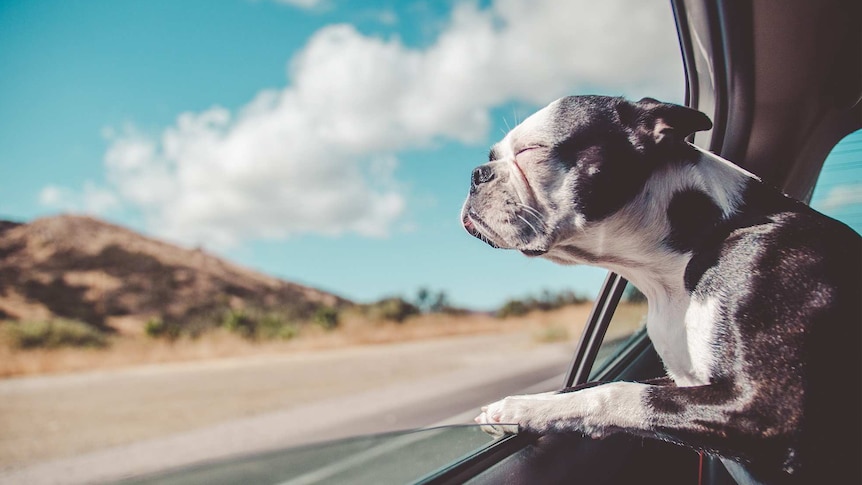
{"points": [[700, 323], [595, 411]]}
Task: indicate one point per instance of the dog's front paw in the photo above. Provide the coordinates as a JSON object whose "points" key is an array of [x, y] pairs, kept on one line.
{"points": [[525, 412], [597, 411]]}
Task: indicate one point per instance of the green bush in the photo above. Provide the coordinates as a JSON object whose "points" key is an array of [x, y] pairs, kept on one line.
{"points": [[54, 333], [156, 327], [393, 309], [275, 326], [326, 317], [255, 324], [238, 321], [546, 301], [287, 332], [513, 308], [430, 302]]}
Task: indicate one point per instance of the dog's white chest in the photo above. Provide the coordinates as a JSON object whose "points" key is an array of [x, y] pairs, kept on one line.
{"points": [[682, 331]]}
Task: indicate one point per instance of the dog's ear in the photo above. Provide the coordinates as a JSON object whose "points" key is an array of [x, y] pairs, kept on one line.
{"points": [[665, 123], [672, 122]]}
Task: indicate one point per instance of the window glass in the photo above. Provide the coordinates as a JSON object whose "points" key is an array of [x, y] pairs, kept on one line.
{"points": [[838, 192], [390, 458], [628, 320]]}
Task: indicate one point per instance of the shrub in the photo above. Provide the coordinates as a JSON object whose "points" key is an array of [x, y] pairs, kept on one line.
{"points": [[237, 321], [394, 309], [428, 302], [326, 317], [568, 297], [513, 308], [272, 326], [255, 324], [287, 332], [54, 333], [156, 327], [546, 301]]}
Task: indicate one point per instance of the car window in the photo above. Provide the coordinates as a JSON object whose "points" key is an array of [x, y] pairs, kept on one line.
{"points": [[627, 323], [838, 192], [396, 458]]}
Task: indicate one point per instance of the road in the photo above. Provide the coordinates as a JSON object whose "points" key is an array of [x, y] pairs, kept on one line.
{"points": [[103, 426]]}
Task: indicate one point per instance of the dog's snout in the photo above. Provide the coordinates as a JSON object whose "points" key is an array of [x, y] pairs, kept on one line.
{"points": [[482, 174]]}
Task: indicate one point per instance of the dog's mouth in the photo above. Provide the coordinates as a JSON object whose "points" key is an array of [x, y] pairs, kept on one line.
{"points": [[467, 220], [470, 221], [533, 252]]}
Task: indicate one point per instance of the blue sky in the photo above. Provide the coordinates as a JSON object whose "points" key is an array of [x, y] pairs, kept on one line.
{"points": [[325, 142]]}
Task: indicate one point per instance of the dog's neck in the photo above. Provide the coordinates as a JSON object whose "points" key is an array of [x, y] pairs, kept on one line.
{"points": [[634, 242]]}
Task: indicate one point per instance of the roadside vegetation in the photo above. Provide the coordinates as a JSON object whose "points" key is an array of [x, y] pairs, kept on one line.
{"points": [[52, 345], [258, 324], [52, 334], [546, 301]]}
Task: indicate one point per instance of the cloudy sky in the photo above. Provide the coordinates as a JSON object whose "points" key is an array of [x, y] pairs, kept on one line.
{"points": [[322, 141]]}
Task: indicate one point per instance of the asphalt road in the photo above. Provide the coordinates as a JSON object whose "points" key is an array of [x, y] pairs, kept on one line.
{"points": [[325, 396]]}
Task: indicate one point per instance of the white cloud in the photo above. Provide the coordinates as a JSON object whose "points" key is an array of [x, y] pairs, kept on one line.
{"points": [[840, 197], [318, 156], [56, 197], [91, 199]]}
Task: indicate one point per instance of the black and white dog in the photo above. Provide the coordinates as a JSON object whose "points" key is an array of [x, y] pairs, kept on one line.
{"points": [[755, 300]]}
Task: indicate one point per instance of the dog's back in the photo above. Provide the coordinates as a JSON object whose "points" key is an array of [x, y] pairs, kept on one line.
{"points": [[796, 282]]}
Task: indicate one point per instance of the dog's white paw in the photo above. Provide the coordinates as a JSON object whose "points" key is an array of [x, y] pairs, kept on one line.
{"points": [[597, 411], [529, 413]]}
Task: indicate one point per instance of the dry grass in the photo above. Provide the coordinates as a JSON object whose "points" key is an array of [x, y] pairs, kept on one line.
{"points": [[628, 318], [562, 324]]}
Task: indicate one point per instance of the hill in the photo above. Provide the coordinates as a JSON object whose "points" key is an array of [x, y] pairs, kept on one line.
{"points": [[115, 279]]}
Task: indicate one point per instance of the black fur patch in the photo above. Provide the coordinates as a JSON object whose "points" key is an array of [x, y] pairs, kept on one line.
{"points": [[692, 215], [760, 202], [610, 171], [609, 143]]}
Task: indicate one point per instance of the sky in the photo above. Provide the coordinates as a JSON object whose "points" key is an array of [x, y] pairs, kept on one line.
{"points": [[326, 142]]}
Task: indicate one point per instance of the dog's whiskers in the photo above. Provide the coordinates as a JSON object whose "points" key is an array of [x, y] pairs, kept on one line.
{"points": [[537, 216], [528, 223], [515, 115]]}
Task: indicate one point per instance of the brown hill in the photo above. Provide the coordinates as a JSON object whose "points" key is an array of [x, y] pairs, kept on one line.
{"points": [[113, 278]]}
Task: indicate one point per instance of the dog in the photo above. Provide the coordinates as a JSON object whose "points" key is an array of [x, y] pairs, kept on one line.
{"points": [[754, 298]]}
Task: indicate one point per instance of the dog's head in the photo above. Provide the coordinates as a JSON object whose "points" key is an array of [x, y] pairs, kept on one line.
{"points": [[570, 166]]}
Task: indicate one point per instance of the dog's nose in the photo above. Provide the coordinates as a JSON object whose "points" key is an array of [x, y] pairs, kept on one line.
{"points": [[482, 174]]}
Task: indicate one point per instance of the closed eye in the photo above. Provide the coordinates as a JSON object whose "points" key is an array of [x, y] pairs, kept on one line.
{"points": [[528, 148]]}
